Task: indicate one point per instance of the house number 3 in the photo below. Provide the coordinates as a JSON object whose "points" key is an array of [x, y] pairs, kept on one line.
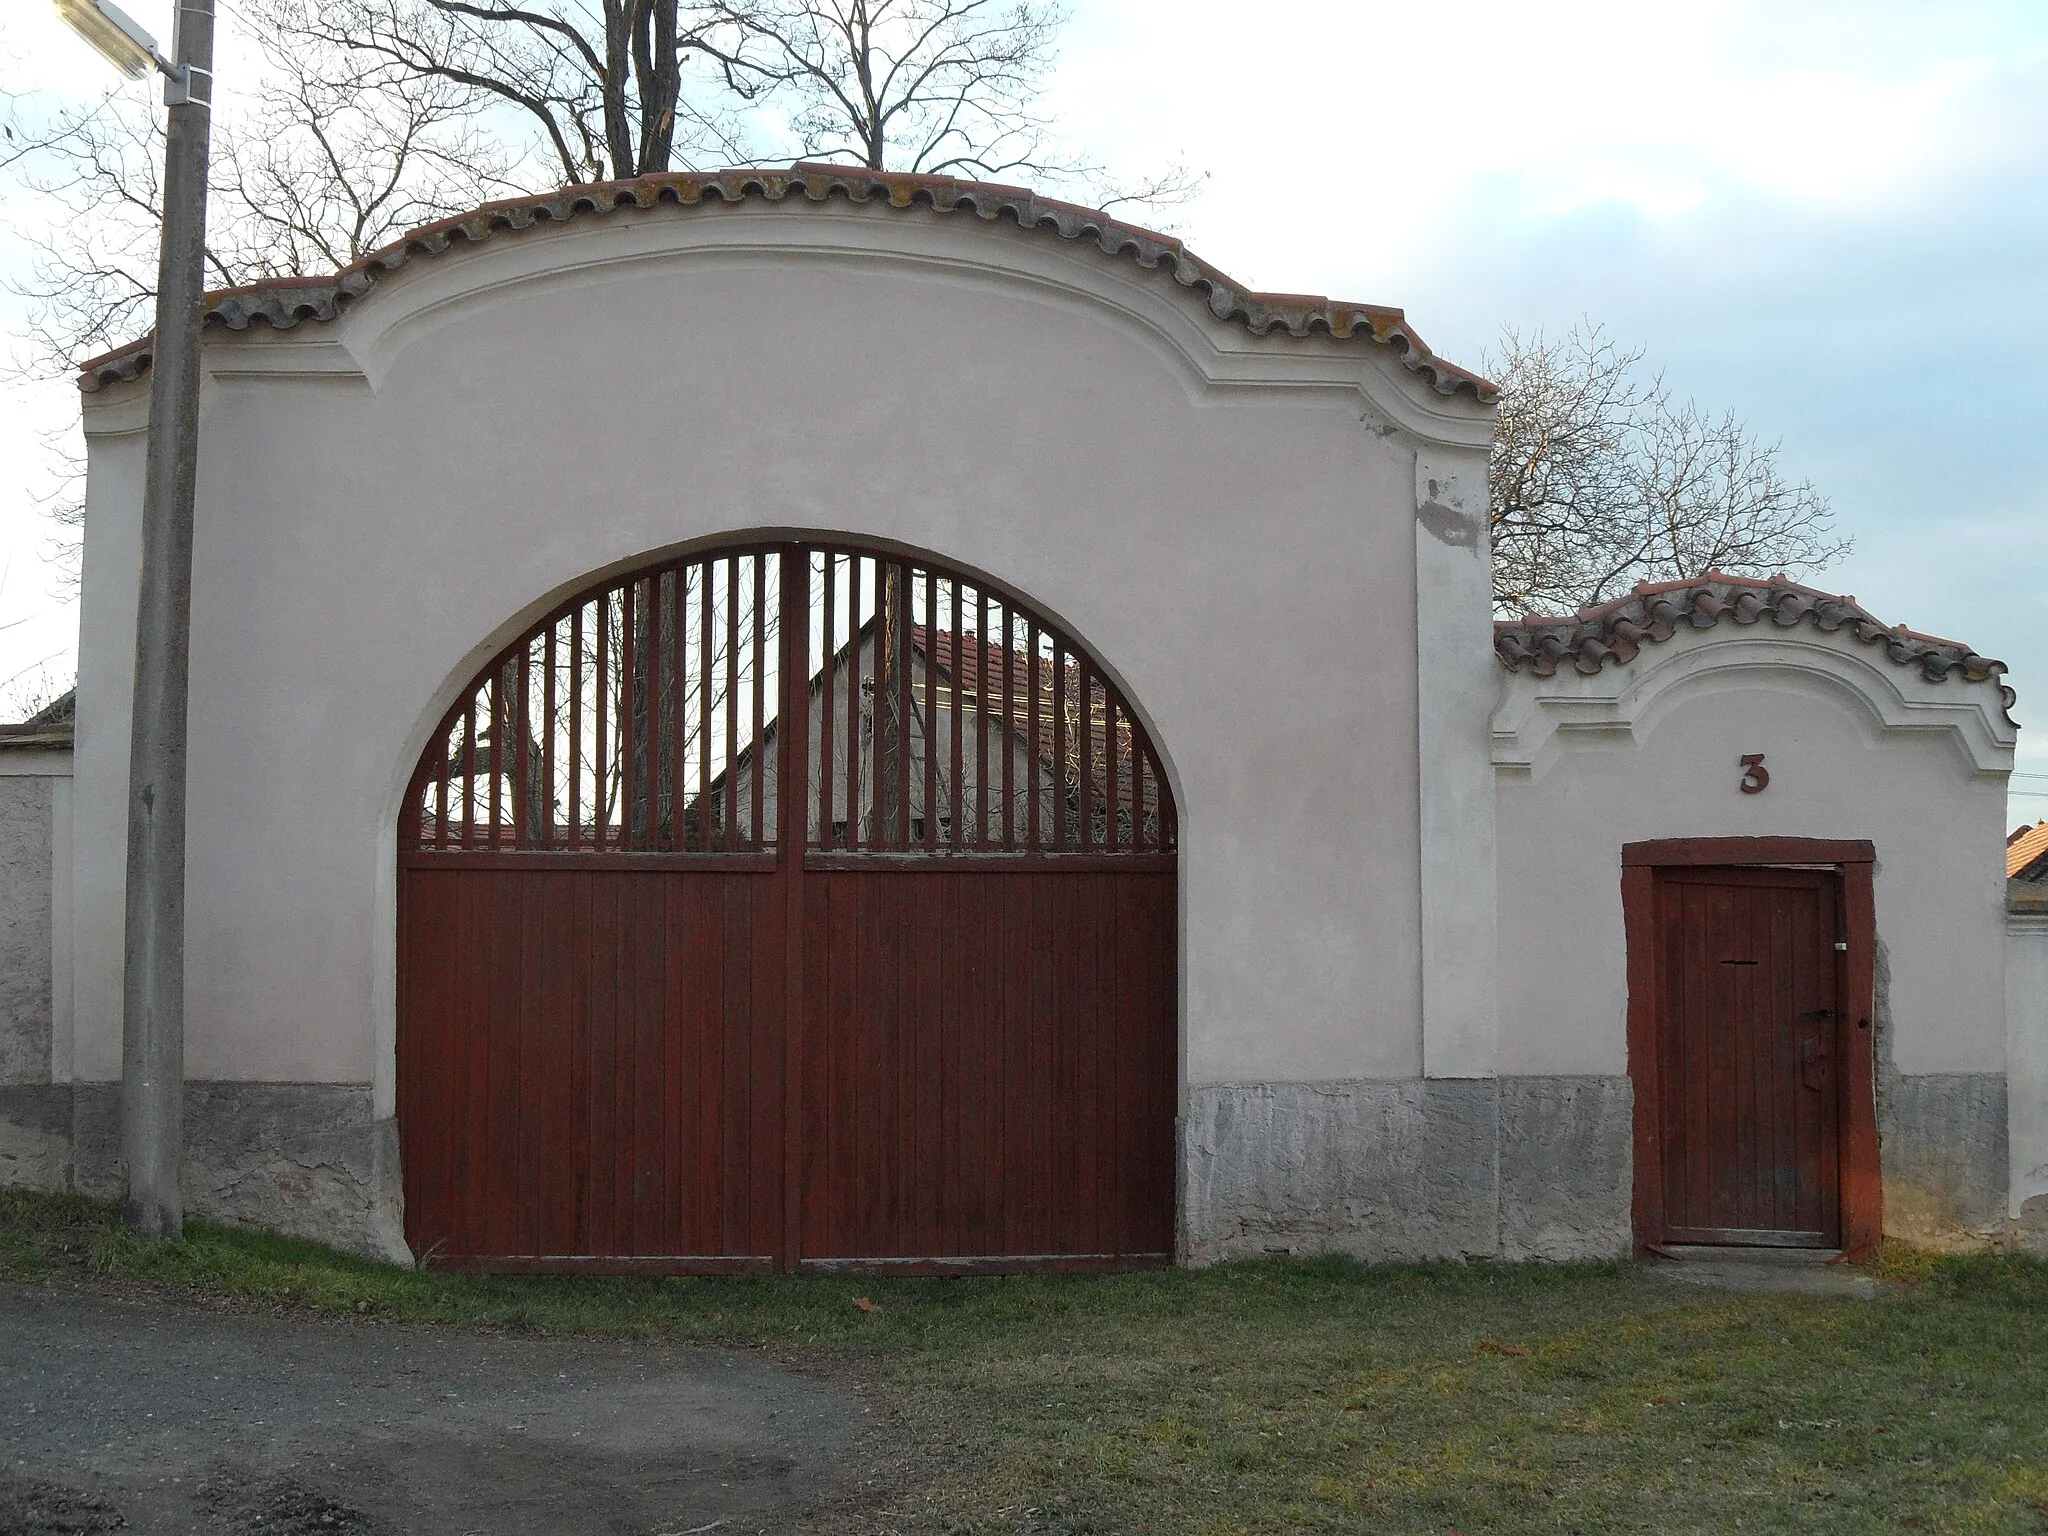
{"points": [[1754, 775]]}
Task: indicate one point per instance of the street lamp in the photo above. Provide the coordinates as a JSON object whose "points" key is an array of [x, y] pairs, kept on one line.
{"points": [[113, 32], [153, 1000]]}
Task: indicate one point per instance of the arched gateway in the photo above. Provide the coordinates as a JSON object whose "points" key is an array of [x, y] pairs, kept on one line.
{"points": [[654, 1013]]}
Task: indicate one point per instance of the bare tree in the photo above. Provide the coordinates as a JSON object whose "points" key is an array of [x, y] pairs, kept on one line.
{"points": [[339, 156], [1599, 479], [328, 162], [622, 88], [613, 88], [325, 165], [940, 87], [937, 86]]}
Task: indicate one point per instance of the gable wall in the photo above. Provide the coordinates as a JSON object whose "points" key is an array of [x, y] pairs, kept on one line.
{"points": [[1934, 813], [366, 535]]}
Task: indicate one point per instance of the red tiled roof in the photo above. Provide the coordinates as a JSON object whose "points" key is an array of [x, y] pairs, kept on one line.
{"points": [[982, 668], [284, 303], [2027, 847], [1615, 633]]}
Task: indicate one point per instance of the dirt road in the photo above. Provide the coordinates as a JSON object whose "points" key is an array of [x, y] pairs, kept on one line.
{"points": [[144, 1416]]}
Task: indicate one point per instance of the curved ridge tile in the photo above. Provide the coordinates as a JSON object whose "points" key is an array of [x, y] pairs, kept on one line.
{"points": [[1614, 634], [286, 303]]}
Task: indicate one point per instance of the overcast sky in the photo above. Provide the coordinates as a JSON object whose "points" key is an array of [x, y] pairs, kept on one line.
{"points": [[1830, 218]]}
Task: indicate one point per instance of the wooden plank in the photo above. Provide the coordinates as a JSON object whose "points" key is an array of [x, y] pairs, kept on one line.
{"points": [[757, 751], [983, 863], [1673, 853], [606, 1264], [1862, 1188], [615, 862], [996, 1264], [794, 681]]}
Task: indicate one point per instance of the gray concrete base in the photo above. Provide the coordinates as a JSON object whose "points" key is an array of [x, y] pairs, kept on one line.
{"points": [[1944, 1151], [1513, 1168], [310, 1159], [35, 1136], [1517, 1168], [1793, 1271]]}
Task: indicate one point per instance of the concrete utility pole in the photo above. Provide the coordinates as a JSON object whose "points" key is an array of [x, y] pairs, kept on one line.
{"points": [[153, 1013], [153, 1003]]}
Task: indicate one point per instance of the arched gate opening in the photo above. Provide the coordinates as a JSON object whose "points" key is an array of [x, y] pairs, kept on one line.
{"points": [[918, 1013]]}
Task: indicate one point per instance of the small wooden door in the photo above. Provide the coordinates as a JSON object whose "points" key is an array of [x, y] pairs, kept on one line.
{"points": [[1747, 1047]]}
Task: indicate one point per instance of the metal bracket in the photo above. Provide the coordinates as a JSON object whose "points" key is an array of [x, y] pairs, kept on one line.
{"points": [[186, 84]]}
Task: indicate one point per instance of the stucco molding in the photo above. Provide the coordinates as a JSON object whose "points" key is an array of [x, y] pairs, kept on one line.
{"points": [[117, 412], [35, 763], [1454, 687], [1540, 718], [2026, 1055], [363, 342]]}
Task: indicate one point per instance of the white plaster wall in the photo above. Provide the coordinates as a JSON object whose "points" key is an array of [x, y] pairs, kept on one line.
{"points": [[1936, 821], [2026, 1083], [35, 916], [1226, 521], [117, 446]]}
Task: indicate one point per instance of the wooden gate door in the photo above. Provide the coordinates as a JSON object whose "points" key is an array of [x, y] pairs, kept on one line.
{"points": [[917, 1013], [1747, 1056]]}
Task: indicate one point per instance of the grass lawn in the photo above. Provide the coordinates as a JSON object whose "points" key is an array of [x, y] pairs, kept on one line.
{"points": [[1299, 1395]]}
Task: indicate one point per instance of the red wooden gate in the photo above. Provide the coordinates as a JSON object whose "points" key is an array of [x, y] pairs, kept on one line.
{"points": [[920, 1012]]}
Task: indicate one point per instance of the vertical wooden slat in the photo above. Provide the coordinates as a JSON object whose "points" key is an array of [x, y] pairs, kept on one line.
{"points": [[600, 728], [854, 624], [469, 774], [547, 740], [575, 807], [828, 699], [495, 764], [629, 678], [732, 702], [1034, 836], [1059, 742], [956, 800], [927, 716], [1006, 738], [673, 708], [757, 745], [900, 664], [1140, 837], [707, 676], [1862, 1191], [444, 815], [982, 719], [1084, 696], [522, 765], [654, 688], [878, 765]]}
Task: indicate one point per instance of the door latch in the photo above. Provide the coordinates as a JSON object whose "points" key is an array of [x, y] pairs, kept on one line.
{"points": [[1813, 1066]]}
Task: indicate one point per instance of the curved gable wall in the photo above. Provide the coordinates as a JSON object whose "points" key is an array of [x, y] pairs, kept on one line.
{"points": [[1856, 749], [1216, 515]]}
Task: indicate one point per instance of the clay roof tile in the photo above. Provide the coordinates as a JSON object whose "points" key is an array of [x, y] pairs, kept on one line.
{"points": [[285, 303], [1614, 633]]}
